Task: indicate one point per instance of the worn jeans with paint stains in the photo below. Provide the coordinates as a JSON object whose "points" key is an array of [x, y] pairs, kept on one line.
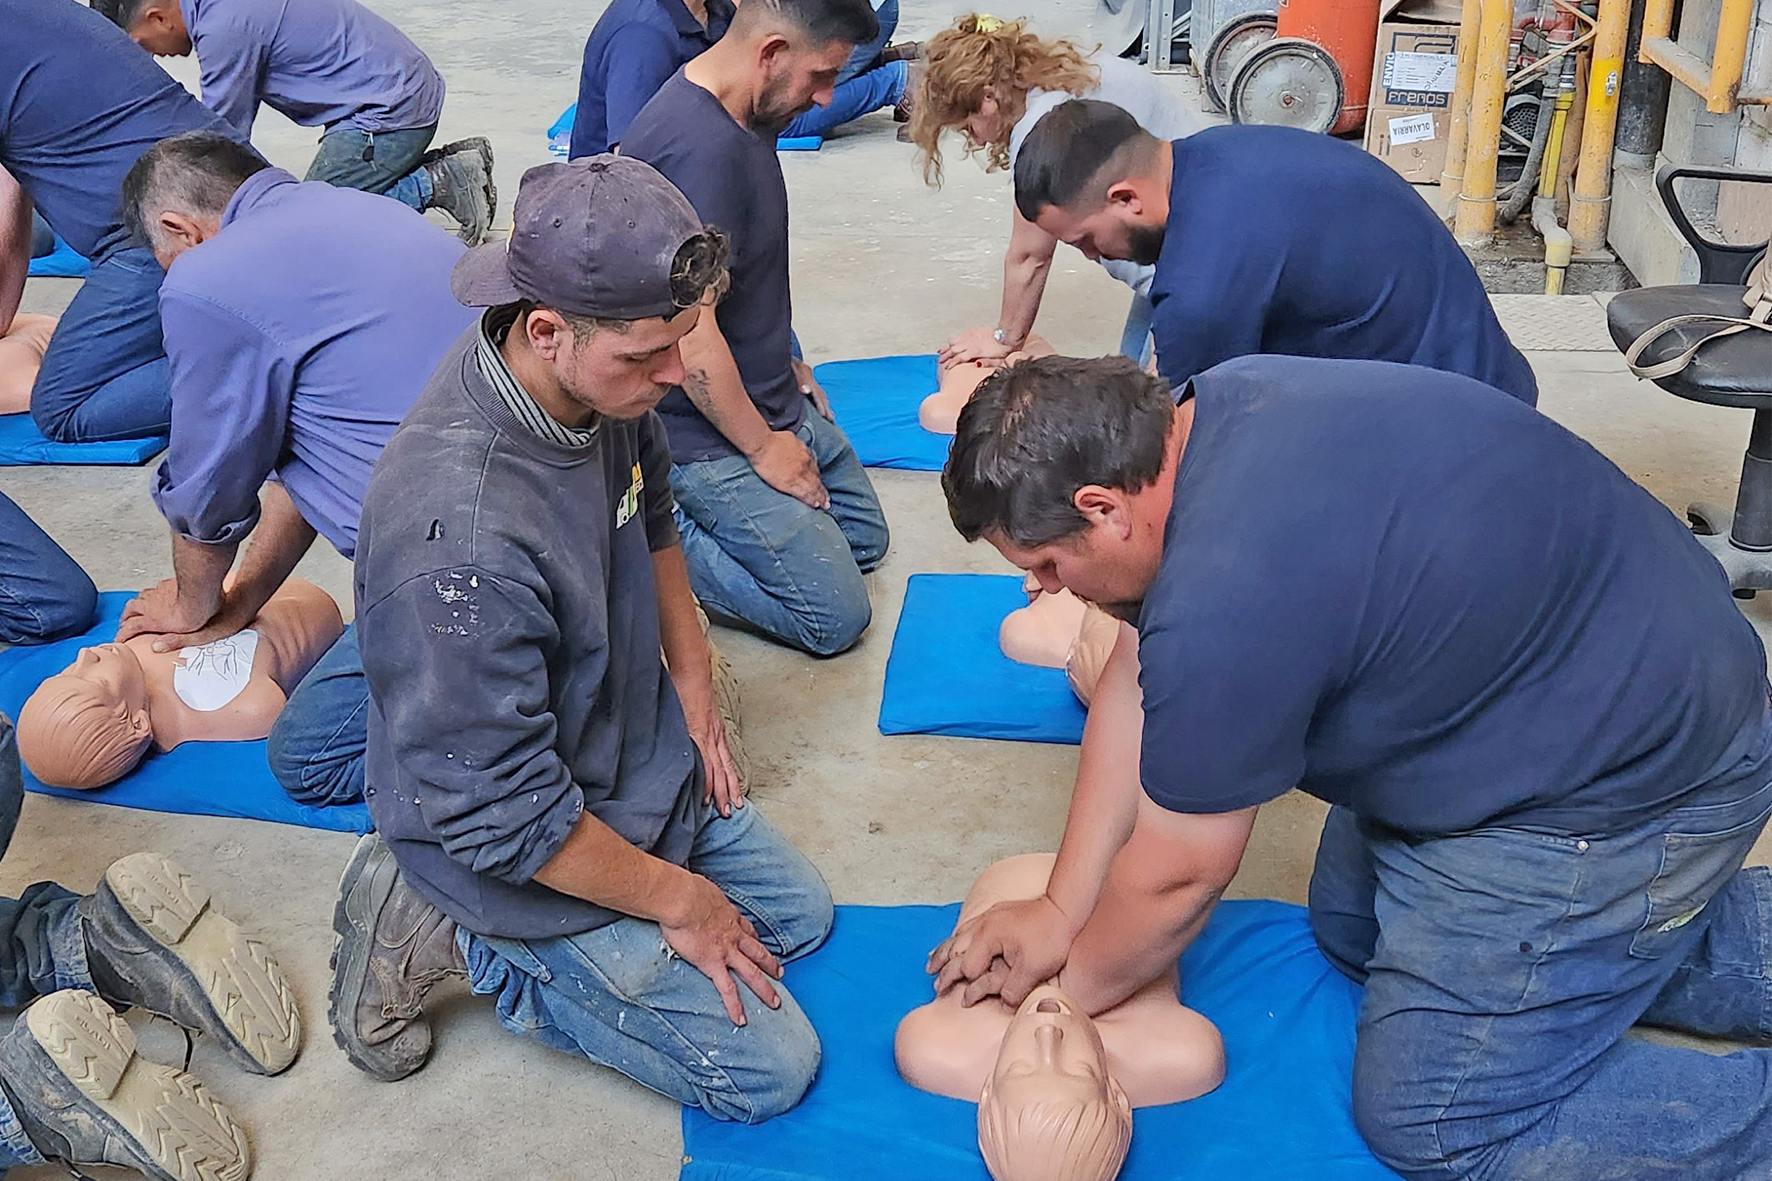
{"points": [[767, 560], [1504, 969], [619, 997]]}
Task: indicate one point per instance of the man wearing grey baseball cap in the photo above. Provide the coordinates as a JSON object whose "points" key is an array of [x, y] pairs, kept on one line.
{"points": [[558, 818]]}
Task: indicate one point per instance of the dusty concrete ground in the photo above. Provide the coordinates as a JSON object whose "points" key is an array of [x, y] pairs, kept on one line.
{"points": [[881, 265]]}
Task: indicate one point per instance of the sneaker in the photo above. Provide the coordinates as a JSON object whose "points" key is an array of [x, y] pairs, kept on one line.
{"points": [[461, 186], [155, 939], [83, 1097], [393, 947]]}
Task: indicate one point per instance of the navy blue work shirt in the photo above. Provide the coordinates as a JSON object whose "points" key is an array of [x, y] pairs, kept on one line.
{"points": [[1283, 241], [79, 104], [1413, 596], [634, 48]]}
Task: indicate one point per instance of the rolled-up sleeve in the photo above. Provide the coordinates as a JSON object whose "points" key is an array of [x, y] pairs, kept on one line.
{"points": [[456, 663], [231, 386], [660, 506]]}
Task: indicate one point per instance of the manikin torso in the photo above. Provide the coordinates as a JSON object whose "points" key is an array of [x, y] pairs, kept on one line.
{"points": [[940, 411], [1090, 649], [1159, 1050]]}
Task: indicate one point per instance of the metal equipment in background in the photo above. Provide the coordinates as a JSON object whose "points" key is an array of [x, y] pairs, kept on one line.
{"points": [[1304, 64]]}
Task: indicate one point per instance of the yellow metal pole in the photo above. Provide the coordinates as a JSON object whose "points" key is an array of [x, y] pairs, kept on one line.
{"points": [[1734, 26], [1458, 128], [1590, 202], [1474, 222], [1553, 148]]}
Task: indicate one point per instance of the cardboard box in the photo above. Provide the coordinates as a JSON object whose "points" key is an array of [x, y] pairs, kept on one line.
{"points": [[1412, 81]]}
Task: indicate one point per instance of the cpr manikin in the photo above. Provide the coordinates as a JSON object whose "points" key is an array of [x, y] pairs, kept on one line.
{"points": [[940, 411], [1060, 631], [90, 724], [1055, 1089], [1090, 650]]}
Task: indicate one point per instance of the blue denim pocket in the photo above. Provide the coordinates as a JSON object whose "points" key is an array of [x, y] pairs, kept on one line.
{"points": [[1704, 849]]}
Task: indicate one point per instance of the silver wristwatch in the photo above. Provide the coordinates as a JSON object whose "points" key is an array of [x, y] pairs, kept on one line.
{"points": [[1001, 337]]}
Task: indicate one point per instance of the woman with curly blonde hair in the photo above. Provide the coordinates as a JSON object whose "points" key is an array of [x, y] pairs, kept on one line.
{"points": [[991, 81]]}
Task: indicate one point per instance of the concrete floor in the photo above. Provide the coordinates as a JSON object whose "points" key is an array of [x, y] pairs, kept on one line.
{"points": [[881, 265]]}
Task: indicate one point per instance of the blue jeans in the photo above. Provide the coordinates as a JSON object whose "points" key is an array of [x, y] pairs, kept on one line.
{"points": [[42, 946], [863, 57], [618, 996], [318, 742], [763, 558], [105, 375], [1504, 967], [384, 162], [44, 595], [1135, 338], [861, 95]]}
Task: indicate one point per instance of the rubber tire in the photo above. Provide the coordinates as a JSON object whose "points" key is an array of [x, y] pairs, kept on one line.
{"points": [[1215, 72], [1280, 47]]}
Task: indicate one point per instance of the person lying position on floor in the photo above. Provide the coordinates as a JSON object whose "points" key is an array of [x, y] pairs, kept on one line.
{"points": [[333, 64], [78, 105], [1363, 270], [1539, 814], [292, 388], [778, 518], [150, 937], [559, 819]]}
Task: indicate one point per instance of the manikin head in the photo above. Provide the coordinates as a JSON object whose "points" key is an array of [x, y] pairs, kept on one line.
{"points": [[1089, 175], [175, 195], [1068, 467], [1050, 1110], [783, 56], [975, 80], [606, 271], [158, 26], [87, 725]]}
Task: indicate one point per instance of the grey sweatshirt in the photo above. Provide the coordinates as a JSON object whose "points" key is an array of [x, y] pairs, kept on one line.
{"points": [[508, 619]]}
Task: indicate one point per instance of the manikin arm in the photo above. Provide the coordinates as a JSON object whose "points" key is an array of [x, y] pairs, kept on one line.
{"points": [[1157, 897], [713, 384], [15, 247]]}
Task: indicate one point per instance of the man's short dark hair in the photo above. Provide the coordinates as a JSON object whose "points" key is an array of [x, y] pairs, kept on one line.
{"points": [[1068, 154], [1036, 432], [122, 13], [196, 173], [822, 21]]}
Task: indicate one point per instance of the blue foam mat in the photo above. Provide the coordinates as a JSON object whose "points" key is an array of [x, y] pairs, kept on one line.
{"points": [[946, 674], [560, 140], [198, 778], [60, 263], [875, 401], [22, 443], [1284, 1112]]}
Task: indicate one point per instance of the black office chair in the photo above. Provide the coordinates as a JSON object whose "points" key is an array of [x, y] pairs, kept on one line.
{"points": [[1729, 371]]}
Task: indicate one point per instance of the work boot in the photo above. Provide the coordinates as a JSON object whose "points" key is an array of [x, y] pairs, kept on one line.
{"points": [[157, 941], [901, 51], [461, 185], [393, 947], [70, 1070]]}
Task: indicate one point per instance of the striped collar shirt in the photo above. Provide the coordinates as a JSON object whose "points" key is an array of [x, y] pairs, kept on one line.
{"points": [[493, 328]]}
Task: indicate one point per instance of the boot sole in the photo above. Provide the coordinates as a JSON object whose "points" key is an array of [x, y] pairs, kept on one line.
{"points": [[165, 1114], [363, 890], [236, 973]]}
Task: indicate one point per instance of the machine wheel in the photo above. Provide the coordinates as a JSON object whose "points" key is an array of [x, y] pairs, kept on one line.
{"points": [[1288, 82], [1229, 46]]}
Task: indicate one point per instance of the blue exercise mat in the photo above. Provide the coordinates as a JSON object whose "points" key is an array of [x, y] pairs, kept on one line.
{"points": [[198, 778], [22, 443], [875, 401], [560, 139], [1284, 1112], [799, 143], [946, 674], [60, 263]]}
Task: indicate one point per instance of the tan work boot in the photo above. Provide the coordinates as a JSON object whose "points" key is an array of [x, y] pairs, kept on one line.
{"points": [[393, 947]]}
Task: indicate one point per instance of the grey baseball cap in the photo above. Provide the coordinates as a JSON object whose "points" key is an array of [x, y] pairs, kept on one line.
{"points": [[592, 237]]}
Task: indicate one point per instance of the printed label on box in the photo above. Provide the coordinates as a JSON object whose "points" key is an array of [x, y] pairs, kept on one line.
{"points": [[1412, 129], [1433, 72]]}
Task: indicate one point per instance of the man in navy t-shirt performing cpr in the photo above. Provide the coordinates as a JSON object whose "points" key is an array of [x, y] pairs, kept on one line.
{"points": [[1523, 688], [1266, 240]]}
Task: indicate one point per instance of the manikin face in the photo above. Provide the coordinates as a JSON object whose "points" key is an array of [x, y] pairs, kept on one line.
{"points": [[1052, 1044], [621, 374], [112, 673], [1118, 228], [160, 29], [795, 78]]}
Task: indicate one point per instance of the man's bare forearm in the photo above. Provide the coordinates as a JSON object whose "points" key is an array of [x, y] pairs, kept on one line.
{"points": [[201, 570], [279, 541], [1104, 803], [598, 865], [15, 247], [714, 386]]}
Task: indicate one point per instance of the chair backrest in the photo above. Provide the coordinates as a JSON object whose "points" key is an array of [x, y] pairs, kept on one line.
{"points": [[1718, 262]]}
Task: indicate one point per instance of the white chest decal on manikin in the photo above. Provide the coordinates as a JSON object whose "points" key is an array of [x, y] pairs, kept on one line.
{"points": [[208, 677]]}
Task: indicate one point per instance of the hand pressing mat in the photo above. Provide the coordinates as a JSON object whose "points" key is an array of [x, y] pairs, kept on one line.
{"points": [[198, 778], [875, 401], [946, 674], [1284, 1112], [21, 443]]}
